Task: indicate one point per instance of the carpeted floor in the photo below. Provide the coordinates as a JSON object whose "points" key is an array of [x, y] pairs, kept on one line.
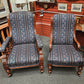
{"points": [[33, 75]]}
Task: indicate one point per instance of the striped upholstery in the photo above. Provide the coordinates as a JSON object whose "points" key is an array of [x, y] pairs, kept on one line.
{"points": [[22, 27], [65, 55], [63, 52], [24, 52], [63, 27], [23, 55]]}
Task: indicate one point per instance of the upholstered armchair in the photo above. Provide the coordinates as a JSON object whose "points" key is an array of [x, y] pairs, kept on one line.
{"points": [[24, 47], [62, 51]]}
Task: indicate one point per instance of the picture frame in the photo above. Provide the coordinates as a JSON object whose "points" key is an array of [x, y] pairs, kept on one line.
{"points": [[62, 6], [5, 9], [76, 7]]}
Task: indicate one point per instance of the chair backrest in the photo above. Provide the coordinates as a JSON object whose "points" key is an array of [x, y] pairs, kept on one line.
{"points": [[63, 29], [22, 27]]}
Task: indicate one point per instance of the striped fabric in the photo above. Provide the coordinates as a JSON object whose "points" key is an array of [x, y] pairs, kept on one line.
{"points": [[63, 52], [63, 27], [23, 55], [65, 55], [22, 27]]}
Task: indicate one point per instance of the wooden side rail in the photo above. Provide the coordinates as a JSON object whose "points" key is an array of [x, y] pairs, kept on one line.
{"points": [[2, 28]]}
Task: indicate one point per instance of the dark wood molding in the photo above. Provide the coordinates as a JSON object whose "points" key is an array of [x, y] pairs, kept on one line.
{"points": [[9, 4], [46, 5]]}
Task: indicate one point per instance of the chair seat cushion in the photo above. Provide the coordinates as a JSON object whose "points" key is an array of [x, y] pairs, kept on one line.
{"points": [[65, 55], [23, 55]]}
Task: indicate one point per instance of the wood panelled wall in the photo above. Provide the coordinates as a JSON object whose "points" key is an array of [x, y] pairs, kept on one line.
{"points": [[43, 23]]}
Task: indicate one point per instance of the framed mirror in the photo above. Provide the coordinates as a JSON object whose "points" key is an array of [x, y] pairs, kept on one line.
{"points": [[46, 3], [4, 9]]}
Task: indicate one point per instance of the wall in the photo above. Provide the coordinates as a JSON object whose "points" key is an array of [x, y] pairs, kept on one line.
{"points": [[15, 8], [43, 23]]}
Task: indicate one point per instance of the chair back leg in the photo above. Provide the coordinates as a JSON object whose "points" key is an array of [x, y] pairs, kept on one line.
{"points": [[80, 68], [41, 68], [49, 68], [8, 71]]}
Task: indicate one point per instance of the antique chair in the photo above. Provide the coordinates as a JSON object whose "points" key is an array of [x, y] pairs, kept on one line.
{"points": [[23, 48], [63, 36]]}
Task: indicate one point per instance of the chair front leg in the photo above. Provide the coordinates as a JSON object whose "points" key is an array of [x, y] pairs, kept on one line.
{"points": [[6, 68], [49, 68], [41, 61], [80, 68], [4, 60]]}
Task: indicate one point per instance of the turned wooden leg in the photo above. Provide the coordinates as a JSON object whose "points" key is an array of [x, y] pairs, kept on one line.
{"points": [[79, 70], [49, 68], [41, 68], [41, 61], [8, 71]]}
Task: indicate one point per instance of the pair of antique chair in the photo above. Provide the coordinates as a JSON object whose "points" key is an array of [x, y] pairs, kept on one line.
{"points": [[24, 47]]}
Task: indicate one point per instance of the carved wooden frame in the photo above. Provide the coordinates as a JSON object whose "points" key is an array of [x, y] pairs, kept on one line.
{"points": [[6, 53], [50, 47]]}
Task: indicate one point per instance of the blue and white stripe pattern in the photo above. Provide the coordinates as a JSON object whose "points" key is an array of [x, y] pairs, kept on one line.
{"points": [[65, 55], [23, 55], [63, 27], [22, 27], [24, 51], [63, 52]]}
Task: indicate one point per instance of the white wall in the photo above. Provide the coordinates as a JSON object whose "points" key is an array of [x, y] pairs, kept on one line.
{"points": [[15, 8], [6, 12]]}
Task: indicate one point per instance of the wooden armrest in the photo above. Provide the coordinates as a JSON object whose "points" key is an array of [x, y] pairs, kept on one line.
{"points": [[78, 44], [75, 39], [50, 45]]}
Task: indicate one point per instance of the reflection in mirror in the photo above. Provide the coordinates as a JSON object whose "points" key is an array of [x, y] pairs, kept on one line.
{"points": [[2, 8], [52, 1]]}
